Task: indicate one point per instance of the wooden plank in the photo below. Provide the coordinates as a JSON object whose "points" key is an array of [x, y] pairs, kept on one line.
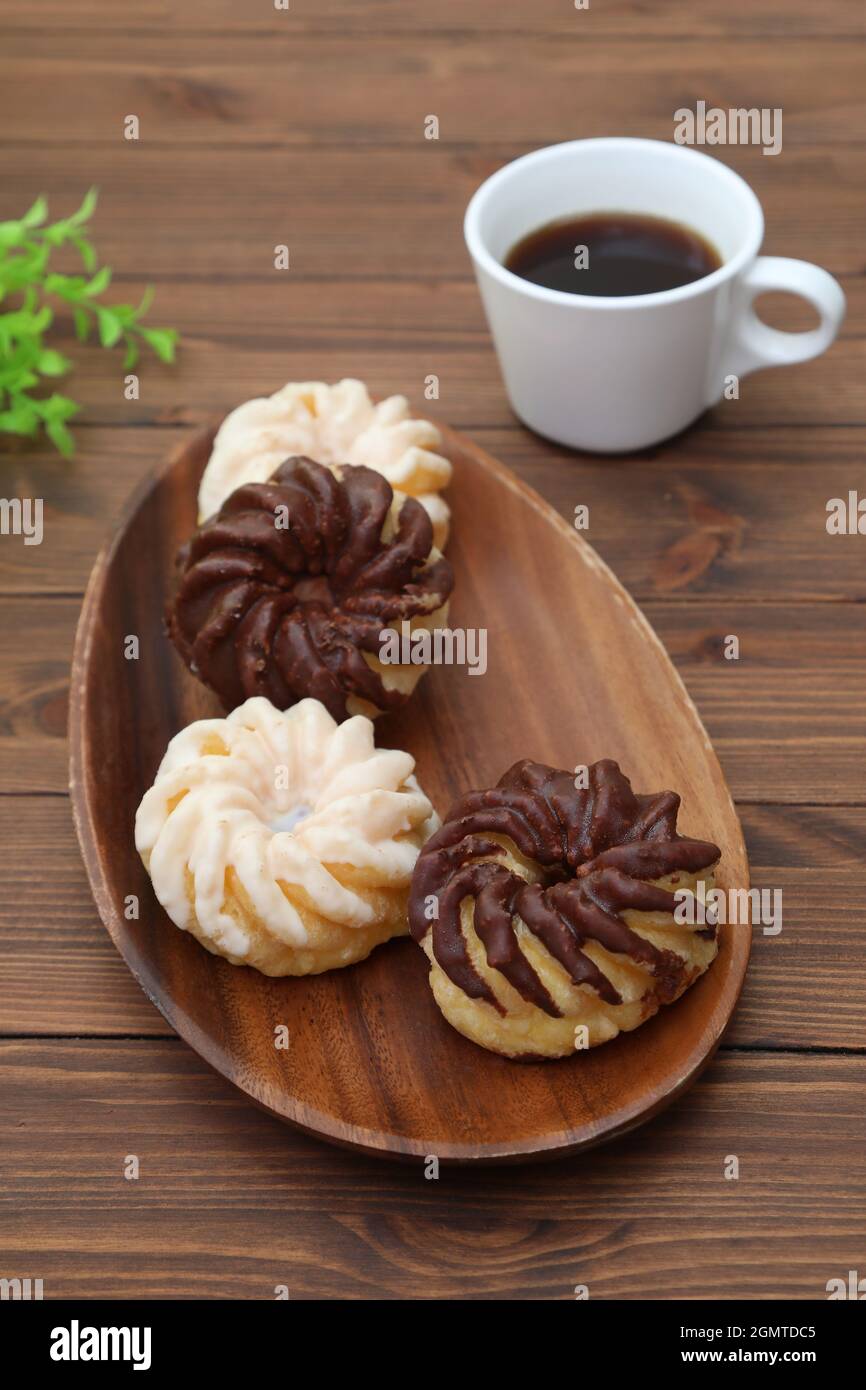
{"points": [[717, 512], [806, 968], [812, 857], [806, 987], [230, 1204], [248, 339], [395, 213], [714, 513], [786, 717], [36, 640], [442, 316], [293, 90], [628, 20], [61, 973], [803, 727], [213, 375]]}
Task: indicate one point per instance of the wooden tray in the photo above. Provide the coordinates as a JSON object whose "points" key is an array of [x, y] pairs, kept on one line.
{"points": [[575, 673]]}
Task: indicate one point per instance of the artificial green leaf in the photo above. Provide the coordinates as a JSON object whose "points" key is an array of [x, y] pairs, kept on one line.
{"points": [[53, 363], [86, 252], [36, 215], [60, 437], [24, 321], [110, 326], [162, 340], [21, 418], [26, 361], [23, 355], [21, 380], [146, 301], [57, 407], [19, 271], [68, 287], [87, 209], [100, 282], [58, 232], [11, 233]]}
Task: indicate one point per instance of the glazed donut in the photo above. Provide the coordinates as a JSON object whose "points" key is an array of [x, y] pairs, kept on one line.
{"points": [[334, 424], [546, 910], [284, 840], [289, 590]]}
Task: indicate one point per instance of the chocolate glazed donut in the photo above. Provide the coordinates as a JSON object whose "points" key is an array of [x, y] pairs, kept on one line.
{"points": [[584, 858], [288, 611]]}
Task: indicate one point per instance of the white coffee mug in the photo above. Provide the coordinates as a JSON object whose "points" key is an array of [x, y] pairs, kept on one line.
{"points": [[612, 374]]}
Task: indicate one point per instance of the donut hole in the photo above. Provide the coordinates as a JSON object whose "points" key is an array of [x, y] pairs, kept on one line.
{"points": [[288, 821], [315, 590], [213, 746]]}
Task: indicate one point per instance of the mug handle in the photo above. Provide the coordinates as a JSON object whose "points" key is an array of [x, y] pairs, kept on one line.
{"points": [[753, 344]]}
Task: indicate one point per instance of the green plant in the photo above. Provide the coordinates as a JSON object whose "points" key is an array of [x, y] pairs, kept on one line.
{"points": [[25, 360]]}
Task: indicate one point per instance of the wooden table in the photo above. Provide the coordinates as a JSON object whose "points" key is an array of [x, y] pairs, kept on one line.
{"points": [[260, 127]]}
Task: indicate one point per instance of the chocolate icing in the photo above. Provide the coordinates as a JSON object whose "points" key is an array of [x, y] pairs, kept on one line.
{"points": [[287, 612], [594, 851]]}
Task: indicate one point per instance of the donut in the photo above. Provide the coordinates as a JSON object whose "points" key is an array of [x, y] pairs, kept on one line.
{"points": [[546, 910], [334, 424], [297, 586], [282, 839]]}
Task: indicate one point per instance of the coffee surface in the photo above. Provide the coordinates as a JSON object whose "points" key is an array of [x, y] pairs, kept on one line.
{"points": [[612, 254]]}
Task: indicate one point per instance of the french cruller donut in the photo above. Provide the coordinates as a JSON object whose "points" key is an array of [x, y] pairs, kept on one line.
{"points": [[283, 840], [547, 910]]}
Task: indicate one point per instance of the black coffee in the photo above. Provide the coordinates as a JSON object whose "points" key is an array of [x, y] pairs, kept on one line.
{"points": [[612, 254]]}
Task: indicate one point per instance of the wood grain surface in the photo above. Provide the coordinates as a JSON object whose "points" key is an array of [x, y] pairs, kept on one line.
{"points": [[305, 127]]}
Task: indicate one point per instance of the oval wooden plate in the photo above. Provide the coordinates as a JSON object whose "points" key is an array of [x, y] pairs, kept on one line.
{"points": [[574, 673]]}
